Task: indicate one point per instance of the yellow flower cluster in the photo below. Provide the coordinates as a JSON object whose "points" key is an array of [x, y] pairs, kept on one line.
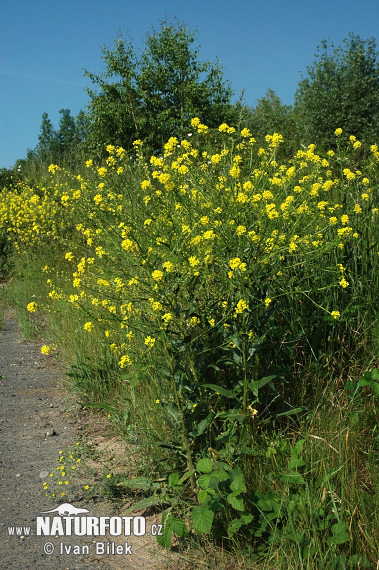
{"points": [[194, 238]]}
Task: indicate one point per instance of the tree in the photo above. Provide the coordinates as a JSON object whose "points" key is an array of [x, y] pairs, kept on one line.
{"points": [[114, 101], [176, 86], [271, 115], [153, 96], [60, 145], [48, 146], [67, 136], [341, 91]]}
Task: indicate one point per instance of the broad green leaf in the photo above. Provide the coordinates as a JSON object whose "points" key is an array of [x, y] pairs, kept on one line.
{"points": [[173, 480], [295, 463], [202, 496], [204, 481], [220, 475], [235, 501], [340, 534], [237, 485], [204, 465], [177, 526], [165, 539], [268, 505], [202, 518]]}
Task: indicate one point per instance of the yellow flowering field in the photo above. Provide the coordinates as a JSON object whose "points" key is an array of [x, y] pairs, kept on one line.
{"points": [[214, 273]]}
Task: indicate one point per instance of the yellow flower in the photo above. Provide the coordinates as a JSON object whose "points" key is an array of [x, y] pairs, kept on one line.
{"points": [[157, 275], [89, 163], [267, 301], [235, 263], [344, 283], [215, 159], [235, 171], [245, 133], [335, 314], [45, 349], [167, 317], [102, 171], [88, 326], [31, 307], [193, 261], [149, 341], [338, 132], [241, 306], [168, 266]]}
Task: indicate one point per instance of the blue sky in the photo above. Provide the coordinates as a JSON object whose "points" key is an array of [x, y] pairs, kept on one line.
{"points": [[46, 44]]}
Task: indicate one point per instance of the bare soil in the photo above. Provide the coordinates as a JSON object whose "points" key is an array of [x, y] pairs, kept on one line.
{"points": [[33, 405]]}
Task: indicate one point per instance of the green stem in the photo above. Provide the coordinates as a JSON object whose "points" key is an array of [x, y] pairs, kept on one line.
{"points": [[186, 443]]}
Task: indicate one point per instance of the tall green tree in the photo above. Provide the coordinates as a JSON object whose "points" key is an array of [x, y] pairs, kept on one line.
{"points": [[48, 145], [271, 115], [154, 95], [67, 134], [113, 110], [175, 85], [341, 90]]}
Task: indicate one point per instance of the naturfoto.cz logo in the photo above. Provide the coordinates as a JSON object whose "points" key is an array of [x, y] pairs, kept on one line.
{"points": [[69, 523]]}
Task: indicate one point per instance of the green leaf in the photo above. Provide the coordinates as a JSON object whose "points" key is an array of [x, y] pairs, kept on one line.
{"points": [[219, 390], [358, 561], [145, 503], [202, 496], [291, 412], [199, 429], [295, 463], [204, 481], [204, 465], [186, 476], [299, 446], [202, 518], [237, 485], [340, 534], [220, 475], [235, 501], [142, 483], [173, 480], [165, 539], [177, 526], [293, 477], [255, 385], [236, 524]]}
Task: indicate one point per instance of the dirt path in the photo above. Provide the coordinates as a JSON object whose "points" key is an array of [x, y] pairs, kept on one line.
{"points": [[31, 405]]}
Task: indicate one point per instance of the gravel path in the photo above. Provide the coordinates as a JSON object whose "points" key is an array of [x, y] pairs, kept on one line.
{"points": [[31, 405]]}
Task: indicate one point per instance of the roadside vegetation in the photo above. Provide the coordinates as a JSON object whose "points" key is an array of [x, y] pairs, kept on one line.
{"points": [[212, 288]]}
